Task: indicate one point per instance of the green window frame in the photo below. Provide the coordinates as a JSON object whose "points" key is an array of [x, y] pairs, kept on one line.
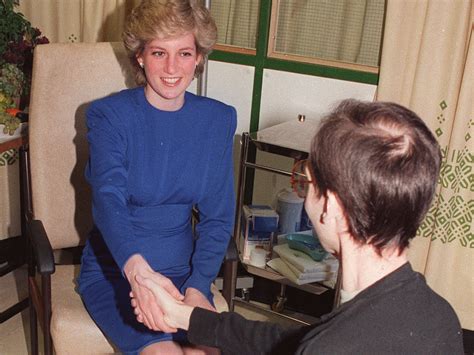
{"points": [[260, 60]]}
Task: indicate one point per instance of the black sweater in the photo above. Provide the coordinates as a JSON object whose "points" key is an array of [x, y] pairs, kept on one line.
{"points": [[399, 314]]}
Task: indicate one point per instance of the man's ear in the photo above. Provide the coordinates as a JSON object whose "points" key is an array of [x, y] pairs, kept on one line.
{"points": [[336, 210]]}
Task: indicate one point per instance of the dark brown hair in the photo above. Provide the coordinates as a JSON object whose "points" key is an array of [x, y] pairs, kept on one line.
{"points": [[383, 163]]}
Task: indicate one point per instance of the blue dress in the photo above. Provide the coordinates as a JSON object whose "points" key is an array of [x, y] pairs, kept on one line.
{"points": [[147, 169]]}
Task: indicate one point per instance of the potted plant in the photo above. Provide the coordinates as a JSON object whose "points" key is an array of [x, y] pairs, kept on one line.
{"points": [[17, 42]]}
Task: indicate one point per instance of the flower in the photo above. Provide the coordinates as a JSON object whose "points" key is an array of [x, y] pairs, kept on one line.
{"points": [[20, 52], [10, 123], [8, 117], [17, 42], [12, 80]]}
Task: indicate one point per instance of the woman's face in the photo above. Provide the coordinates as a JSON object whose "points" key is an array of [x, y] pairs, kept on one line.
{"points": [[169, 66], [324, 226]]}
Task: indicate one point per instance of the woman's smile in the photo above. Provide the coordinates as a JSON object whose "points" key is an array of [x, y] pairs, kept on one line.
{"points": [[169, 66]]}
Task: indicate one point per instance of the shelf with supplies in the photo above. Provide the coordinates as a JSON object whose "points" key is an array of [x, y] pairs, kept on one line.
{"points": [[279, 140], [266, 272]]}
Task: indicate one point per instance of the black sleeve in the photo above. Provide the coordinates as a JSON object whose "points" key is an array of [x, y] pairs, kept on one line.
{"points": [[233, 334]]}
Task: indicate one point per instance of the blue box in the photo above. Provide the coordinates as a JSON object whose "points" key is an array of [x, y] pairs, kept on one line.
{"points": [[258, 229]]}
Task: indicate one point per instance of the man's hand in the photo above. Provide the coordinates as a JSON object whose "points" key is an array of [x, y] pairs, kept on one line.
{"points": [[145, 306]]}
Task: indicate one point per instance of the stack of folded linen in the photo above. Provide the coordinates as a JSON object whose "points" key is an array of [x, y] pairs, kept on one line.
{"points": [[300, 268]]}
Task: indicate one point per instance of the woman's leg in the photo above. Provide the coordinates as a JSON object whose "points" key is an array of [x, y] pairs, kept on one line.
{"points": [[200, 350], [163, 347], [108, 303]]}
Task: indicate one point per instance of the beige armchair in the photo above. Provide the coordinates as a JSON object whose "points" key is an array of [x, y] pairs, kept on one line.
{"points": [[66, 78]]}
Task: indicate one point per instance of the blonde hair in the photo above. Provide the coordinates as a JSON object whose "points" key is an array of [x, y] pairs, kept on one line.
{"points": [[167, 19]]}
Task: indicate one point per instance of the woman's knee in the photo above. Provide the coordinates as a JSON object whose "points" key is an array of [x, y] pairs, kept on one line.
{"points": [[200, 350], [163, 347]]}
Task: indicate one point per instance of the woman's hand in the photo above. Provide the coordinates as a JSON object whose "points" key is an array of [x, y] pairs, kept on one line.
{"points": [[176, 313], [145, 306], [195, 298]]}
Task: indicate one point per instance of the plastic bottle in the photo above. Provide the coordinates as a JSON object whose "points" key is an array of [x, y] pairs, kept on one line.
{"points": [[289, 207]]}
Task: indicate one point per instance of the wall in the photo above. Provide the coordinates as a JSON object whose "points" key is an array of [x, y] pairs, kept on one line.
{"points": [[284, 96]]}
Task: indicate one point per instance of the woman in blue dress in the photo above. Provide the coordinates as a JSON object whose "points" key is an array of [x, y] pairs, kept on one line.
{"points": [[155, 152]]}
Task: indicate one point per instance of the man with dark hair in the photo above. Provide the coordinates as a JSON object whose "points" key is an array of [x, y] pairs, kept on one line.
{"points": [[383, 162], [369, 182]]}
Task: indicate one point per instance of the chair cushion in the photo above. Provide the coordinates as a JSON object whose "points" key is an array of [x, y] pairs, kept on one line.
{"points": [[72, 329], [219, 301]]}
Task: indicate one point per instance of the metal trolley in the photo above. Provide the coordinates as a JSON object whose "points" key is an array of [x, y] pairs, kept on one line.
{"points": [[290, 139]]}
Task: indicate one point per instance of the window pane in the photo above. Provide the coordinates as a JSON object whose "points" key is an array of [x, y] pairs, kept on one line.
{"points": [[339, 30], [236, 22]]}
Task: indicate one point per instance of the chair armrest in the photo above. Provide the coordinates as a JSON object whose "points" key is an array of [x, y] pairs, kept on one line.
{"points": [[41, 246], [231, 253]]}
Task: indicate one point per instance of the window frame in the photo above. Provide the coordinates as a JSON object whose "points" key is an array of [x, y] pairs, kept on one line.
{"points": [[260, 61], [292, 63], [234, 49]]}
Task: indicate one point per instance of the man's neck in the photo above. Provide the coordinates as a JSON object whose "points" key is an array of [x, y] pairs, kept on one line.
{"points": [[362, 266]]}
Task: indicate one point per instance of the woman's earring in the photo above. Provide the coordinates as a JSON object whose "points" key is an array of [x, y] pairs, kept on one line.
{"points": [[141, 64]]}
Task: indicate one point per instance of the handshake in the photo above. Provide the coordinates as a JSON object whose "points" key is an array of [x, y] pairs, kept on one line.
{"points": [[174, 311], [156, 301]]}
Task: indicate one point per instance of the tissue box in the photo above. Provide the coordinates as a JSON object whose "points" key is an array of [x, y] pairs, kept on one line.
{"points": [[259, 228]]}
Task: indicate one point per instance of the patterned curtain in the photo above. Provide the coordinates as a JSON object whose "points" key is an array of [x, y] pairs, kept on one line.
{"points": [[9, 194], [427, 65], [60, 21]]}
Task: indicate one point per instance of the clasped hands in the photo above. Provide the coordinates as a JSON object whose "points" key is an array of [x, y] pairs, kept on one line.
{"points": [[156, 301]]}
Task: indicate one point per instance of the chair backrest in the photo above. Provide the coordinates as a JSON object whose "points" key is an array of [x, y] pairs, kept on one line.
{"points": [[66, 78]]}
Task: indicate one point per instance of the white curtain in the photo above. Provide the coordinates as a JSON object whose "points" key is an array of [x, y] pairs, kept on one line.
{"points": [[427, 65], [342, 30], [60, 21], [236, 21], [78, 20]]}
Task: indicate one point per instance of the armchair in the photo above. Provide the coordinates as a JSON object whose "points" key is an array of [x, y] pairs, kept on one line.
{"points": [[66, 78]]}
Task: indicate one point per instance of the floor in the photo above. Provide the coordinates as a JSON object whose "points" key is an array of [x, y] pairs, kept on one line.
{"points": [[14, 333]]}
